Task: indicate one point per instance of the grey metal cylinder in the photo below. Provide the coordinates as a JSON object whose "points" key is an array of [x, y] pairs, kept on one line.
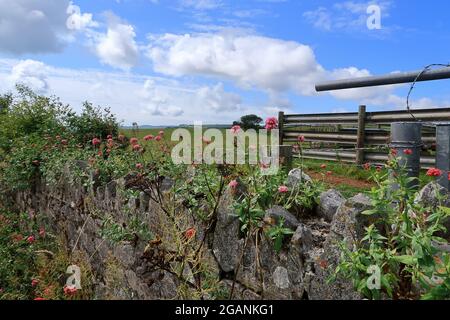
{"points": [[395, 78], [443, 153], [408, 136]]}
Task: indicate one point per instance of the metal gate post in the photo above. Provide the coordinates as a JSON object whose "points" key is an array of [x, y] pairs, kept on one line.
{"points": [[361, 135], [443, 153], [404, 136]]}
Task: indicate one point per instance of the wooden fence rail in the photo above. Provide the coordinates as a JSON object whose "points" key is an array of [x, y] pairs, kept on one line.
{"points": [[358, 137]]}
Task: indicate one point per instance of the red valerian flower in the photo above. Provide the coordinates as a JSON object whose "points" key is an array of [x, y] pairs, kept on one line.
{"points": [[109, 137], [379, 168], [158, 138], [42, 232], [34, 282], [96, 142], [134, 141], [121, 137], [149, 137], [64, 142], [31, 239], [408, 152], [70, 290], [329, 173], [139, 166], [394, 152], [190, 233], [235, 129], [301, 138], [449, 176], [433, 172], [366, 166], [323, 166], [283, 189], [271, 123], [161, 133], [233, 184], [136, 147]]}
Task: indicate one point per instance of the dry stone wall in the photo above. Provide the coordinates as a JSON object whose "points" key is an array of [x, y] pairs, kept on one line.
{"points": [[121, 271]]}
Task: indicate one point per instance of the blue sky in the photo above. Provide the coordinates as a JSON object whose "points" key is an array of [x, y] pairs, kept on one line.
{"points": [[178, 61]]}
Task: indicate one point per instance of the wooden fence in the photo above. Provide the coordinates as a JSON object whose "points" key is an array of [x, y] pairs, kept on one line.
{"points": [[359, 137]]}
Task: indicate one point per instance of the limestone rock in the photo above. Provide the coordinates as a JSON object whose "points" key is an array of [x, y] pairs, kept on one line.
{"points": [[297, 176], [329, 203], [429, 196], [277, 213], [226, 234], [347, 227]]}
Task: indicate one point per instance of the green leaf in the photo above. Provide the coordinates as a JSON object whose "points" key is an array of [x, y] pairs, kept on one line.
{"points": [[370, 212], [405, 259], [278, 244]]}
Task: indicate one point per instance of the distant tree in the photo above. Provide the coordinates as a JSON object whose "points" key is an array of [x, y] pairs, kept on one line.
{"points": [[250, 121]]}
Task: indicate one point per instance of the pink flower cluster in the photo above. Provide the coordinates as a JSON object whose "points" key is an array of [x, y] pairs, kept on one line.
{"points": [[271, 123], [96, 142], [235, 129], [70, 290], [433, 172]]}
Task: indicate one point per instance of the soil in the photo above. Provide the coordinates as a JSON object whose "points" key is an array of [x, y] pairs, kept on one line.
{"points": [[338, 180]]}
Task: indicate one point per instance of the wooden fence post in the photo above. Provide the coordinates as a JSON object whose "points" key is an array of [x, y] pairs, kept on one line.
{"points": [[360, 141], [280, 126]]}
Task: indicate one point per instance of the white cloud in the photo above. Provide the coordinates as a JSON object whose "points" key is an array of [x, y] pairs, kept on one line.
{"points": [[320, 18], [134, 98], [215, 98], [159, 101], [118, 47], [77, 20], [249, 60], [29, 26], [155, 100], [347, 15], [201, 4], [30, 73], [270, 65]]}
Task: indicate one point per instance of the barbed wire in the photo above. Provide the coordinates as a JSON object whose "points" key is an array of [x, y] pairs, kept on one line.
{"points": [[413, 85]]}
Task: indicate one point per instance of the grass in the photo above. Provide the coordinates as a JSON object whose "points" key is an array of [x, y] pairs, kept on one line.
{"points": [[348, 178]]}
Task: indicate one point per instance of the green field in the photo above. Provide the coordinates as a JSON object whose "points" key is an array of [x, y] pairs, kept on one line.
{"points": [[354, 179]]}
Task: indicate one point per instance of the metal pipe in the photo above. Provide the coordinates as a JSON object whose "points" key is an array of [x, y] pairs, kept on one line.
{"points": [[443, 153], [335, 154], [318, 136], [408, 136], [395, 78]]}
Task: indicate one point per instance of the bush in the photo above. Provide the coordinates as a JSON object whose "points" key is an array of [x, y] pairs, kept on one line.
{"points": [[30, 114], [93, 122], [35, 129]]}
